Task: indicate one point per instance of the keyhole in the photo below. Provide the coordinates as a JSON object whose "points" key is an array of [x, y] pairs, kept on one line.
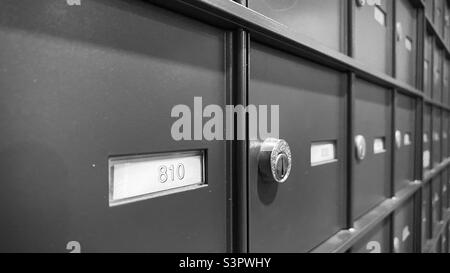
{"points": [[282, 166]]}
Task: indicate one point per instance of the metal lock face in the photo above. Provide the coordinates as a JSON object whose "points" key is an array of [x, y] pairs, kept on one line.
{"points": [[275, 160], [398, 139], [361, 147], [399, 31]]}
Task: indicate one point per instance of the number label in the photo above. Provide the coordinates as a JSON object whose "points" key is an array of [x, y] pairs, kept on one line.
{"points": [[171, 173], [374, 247]]}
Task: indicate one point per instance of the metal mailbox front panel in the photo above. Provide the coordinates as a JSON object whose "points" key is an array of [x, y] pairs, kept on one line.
{"points": [[81, 84], [436, 203], [376, 241], [301, 213], [445, 136], [437, 148], [373, 33], [437, 73], [405, 127], [447, 24], [403, 241], [426, 213], [373, 122], [428, 66], [321, 20], [446, 82], [406, 41], [444, 184], [427, 138], [439, 13], [429, 6], [445, 240]]}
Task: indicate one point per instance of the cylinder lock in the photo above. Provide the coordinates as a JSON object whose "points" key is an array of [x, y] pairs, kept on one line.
{"points": [[360, 145], [398, 139], [275, 160]]}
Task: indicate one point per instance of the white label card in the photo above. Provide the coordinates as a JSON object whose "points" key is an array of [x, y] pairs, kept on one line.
{"points": [[380, 15], [323, 153], [426, 159], [408, 44], [379, 145], [138, 178]]}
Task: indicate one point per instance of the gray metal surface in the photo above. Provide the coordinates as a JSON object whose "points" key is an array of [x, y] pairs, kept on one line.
{"points": [[81, 84], [372, 120], [310, 202]]}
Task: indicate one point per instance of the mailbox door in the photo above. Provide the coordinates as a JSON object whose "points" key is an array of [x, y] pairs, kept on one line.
{"points": [[373, 122], [426, 213], [429, 6], [376, 241], [84, 84], [447, 24], [437, 74], [439, 14], [427, 138], [446, 82], [428, 66], [373, 33], [310, 202], [405, 123], [403, 241], [445, 240], [437, 148], [406, 41], [436, 203], [322, 21], [444, 136], [444, 179]]}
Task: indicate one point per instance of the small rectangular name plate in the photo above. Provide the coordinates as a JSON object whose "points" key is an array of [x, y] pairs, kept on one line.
{"points": [[137, 178], [323, 153]]}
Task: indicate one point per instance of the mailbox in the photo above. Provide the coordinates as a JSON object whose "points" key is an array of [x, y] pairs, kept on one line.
{"points": [[403, 241], [376, 241], [439, 16], [302, 17], [438, 57], [437, 148], [445, 238], [429, 8], [436, 203], [428, 65], [404, 141], [445, 136], [446, 82], [438, 246], [445, 189], [447, 23], [426, 213], [311, 201], [373, 33], [372, 132], [427, 138], [406, 41], [95, 93]]}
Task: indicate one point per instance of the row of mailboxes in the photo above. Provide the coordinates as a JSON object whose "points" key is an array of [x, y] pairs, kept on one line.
{"points": [[396, 237], [317, 182], [375, 25], [61, 144]]}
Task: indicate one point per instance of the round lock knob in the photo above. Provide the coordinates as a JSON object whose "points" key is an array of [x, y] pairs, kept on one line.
{"points": [[398, 139], [360, 145], [275, 160]]}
